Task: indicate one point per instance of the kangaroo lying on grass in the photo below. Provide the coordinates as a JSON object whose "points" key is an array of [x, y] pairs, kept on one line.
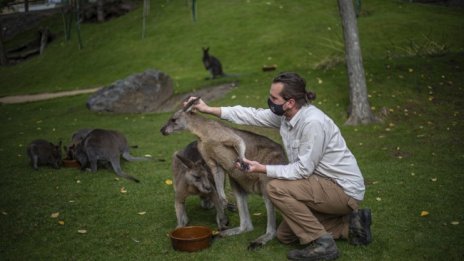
{"points": [[42, 152], [105, 145], [192, 177], [219, 146]]}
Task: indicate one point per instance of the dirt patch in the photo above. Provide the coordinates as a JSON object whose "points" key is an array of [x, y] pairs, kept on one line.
{"points": [[207, 94], [42, 96]]}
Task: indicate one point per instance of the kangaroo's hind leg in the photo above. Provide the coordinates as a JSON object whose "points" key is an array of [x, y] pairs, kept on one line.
{"points": [[243, 212]]}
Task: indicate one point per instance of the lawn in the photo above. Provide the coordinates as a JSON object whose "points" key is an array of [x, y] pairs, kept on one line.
{"points": [[412, 162]]}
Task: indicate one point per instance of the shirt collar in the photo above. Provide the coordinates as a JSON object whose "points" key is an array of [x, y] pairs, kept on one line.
{"points": [[293, 121]]}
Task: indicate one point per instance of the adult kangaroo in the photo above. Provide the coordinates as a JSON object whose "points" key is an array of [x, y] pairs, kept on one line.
{"points": [[220, 146], [107, 146]]}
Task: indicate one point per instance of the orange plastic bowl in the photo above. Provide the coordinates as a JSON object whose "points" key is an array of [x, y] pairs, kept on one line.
{"points": [[191, 239]]}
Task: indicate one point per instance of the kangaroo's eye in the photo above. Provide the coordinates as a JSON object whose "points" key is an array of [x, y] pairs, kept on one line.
{"points": [[173, 120]]}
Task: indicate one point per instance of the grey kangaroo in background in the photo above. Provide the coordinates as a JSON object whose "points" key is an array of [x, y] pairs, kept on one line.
{"points": [[105, 145], [220, 146], [212, 64], [192, 176]]}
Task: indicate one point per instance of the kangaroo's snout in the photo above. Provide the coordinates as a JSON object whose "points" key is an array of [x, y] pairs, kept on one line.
{"points": [[163, 131]]}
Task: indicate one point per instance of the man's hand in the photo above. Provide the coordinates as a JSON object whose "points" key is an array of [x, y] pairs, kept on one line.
{"points": [[253, 166], [200, 106]]}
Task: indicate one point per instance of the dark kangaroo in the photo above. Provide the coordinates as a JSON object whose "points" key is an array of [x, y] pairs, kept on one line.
{"points": [[42, 152], [212, 64]]}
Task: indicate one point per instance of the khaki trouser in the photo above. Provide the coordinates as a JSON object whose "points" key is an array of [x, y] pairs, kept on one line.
{"points": [[311, 208]]}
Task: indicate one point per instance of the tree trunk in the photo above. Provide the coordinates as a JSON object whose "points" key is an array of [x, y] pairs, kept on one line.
{"points": [[26, 6], [100, 11], [43, 40], [360, 110], [3, 59]]}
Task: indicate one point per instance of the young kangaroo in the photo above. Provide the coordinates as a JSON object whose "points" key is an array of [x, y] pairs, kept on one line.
{"points": [[212, 64], [42, 152], [219, 146], [192, 177]]}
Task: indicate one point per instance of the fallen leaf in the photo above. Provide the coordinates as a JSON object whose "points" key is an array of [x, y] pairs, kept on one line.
{"points": [[378, 199], [4, 213], [424, 213], [82, 231], [168, 182], [78, 181], [142, 213], [233, 97], [433, 179], [455, 223], [123, 190], [61, 222], [55, 215], [257, 214], [148, 155], [215, 232]]}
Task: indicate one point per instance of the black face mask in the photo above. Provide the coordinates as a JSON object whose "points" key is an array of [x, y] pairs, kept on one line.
{"points": [[277, 109]]}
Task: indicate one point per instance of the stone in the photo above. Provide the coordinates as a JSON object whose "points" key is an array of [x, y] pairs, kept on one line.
{"points": [[139, 93]]}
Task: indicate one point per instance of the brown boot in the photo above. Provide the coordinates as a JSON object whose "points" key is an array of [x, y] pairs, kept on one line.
{"points": [[323, 248]]}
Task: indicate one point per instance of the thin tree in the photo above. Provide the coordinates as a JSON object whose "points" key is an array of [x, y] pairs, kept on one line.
{"points": [[100, 11], [146, 12], [26, 6], [3, 58], [359, 111]]}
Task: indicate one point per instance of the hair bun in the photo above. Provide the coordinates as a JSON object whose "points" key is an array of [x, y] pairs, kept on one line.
{"points": [[311, 96]]}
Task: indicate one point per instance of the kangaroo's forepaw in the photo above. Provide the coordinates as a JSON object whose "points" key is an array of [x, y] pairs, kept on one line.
{"points": [[243, 165]]}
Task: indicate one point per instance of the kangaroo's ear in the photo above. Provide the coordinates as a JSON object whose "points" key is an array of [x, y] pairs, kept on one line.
{"points": [[188, 163], [188, 106]]}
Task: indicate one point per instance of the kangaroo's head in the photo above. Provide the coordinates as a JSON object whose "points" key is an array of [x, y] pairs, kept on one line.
{"points": [[197, 174], [178, 120], [205, 52]]}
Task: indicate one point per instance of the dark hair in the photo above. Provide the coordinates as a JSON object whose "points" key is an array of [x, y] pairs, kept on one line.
{"points": [[294, 87]]}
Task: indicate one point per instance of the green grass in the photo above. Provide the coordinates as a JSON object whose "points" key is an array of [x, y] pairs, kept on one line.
{"points": [[411, 162]]}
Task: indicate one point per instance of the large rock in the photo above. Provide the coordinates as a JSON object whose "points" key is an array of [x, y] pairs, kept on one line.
{"points": [[144, 92]]}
